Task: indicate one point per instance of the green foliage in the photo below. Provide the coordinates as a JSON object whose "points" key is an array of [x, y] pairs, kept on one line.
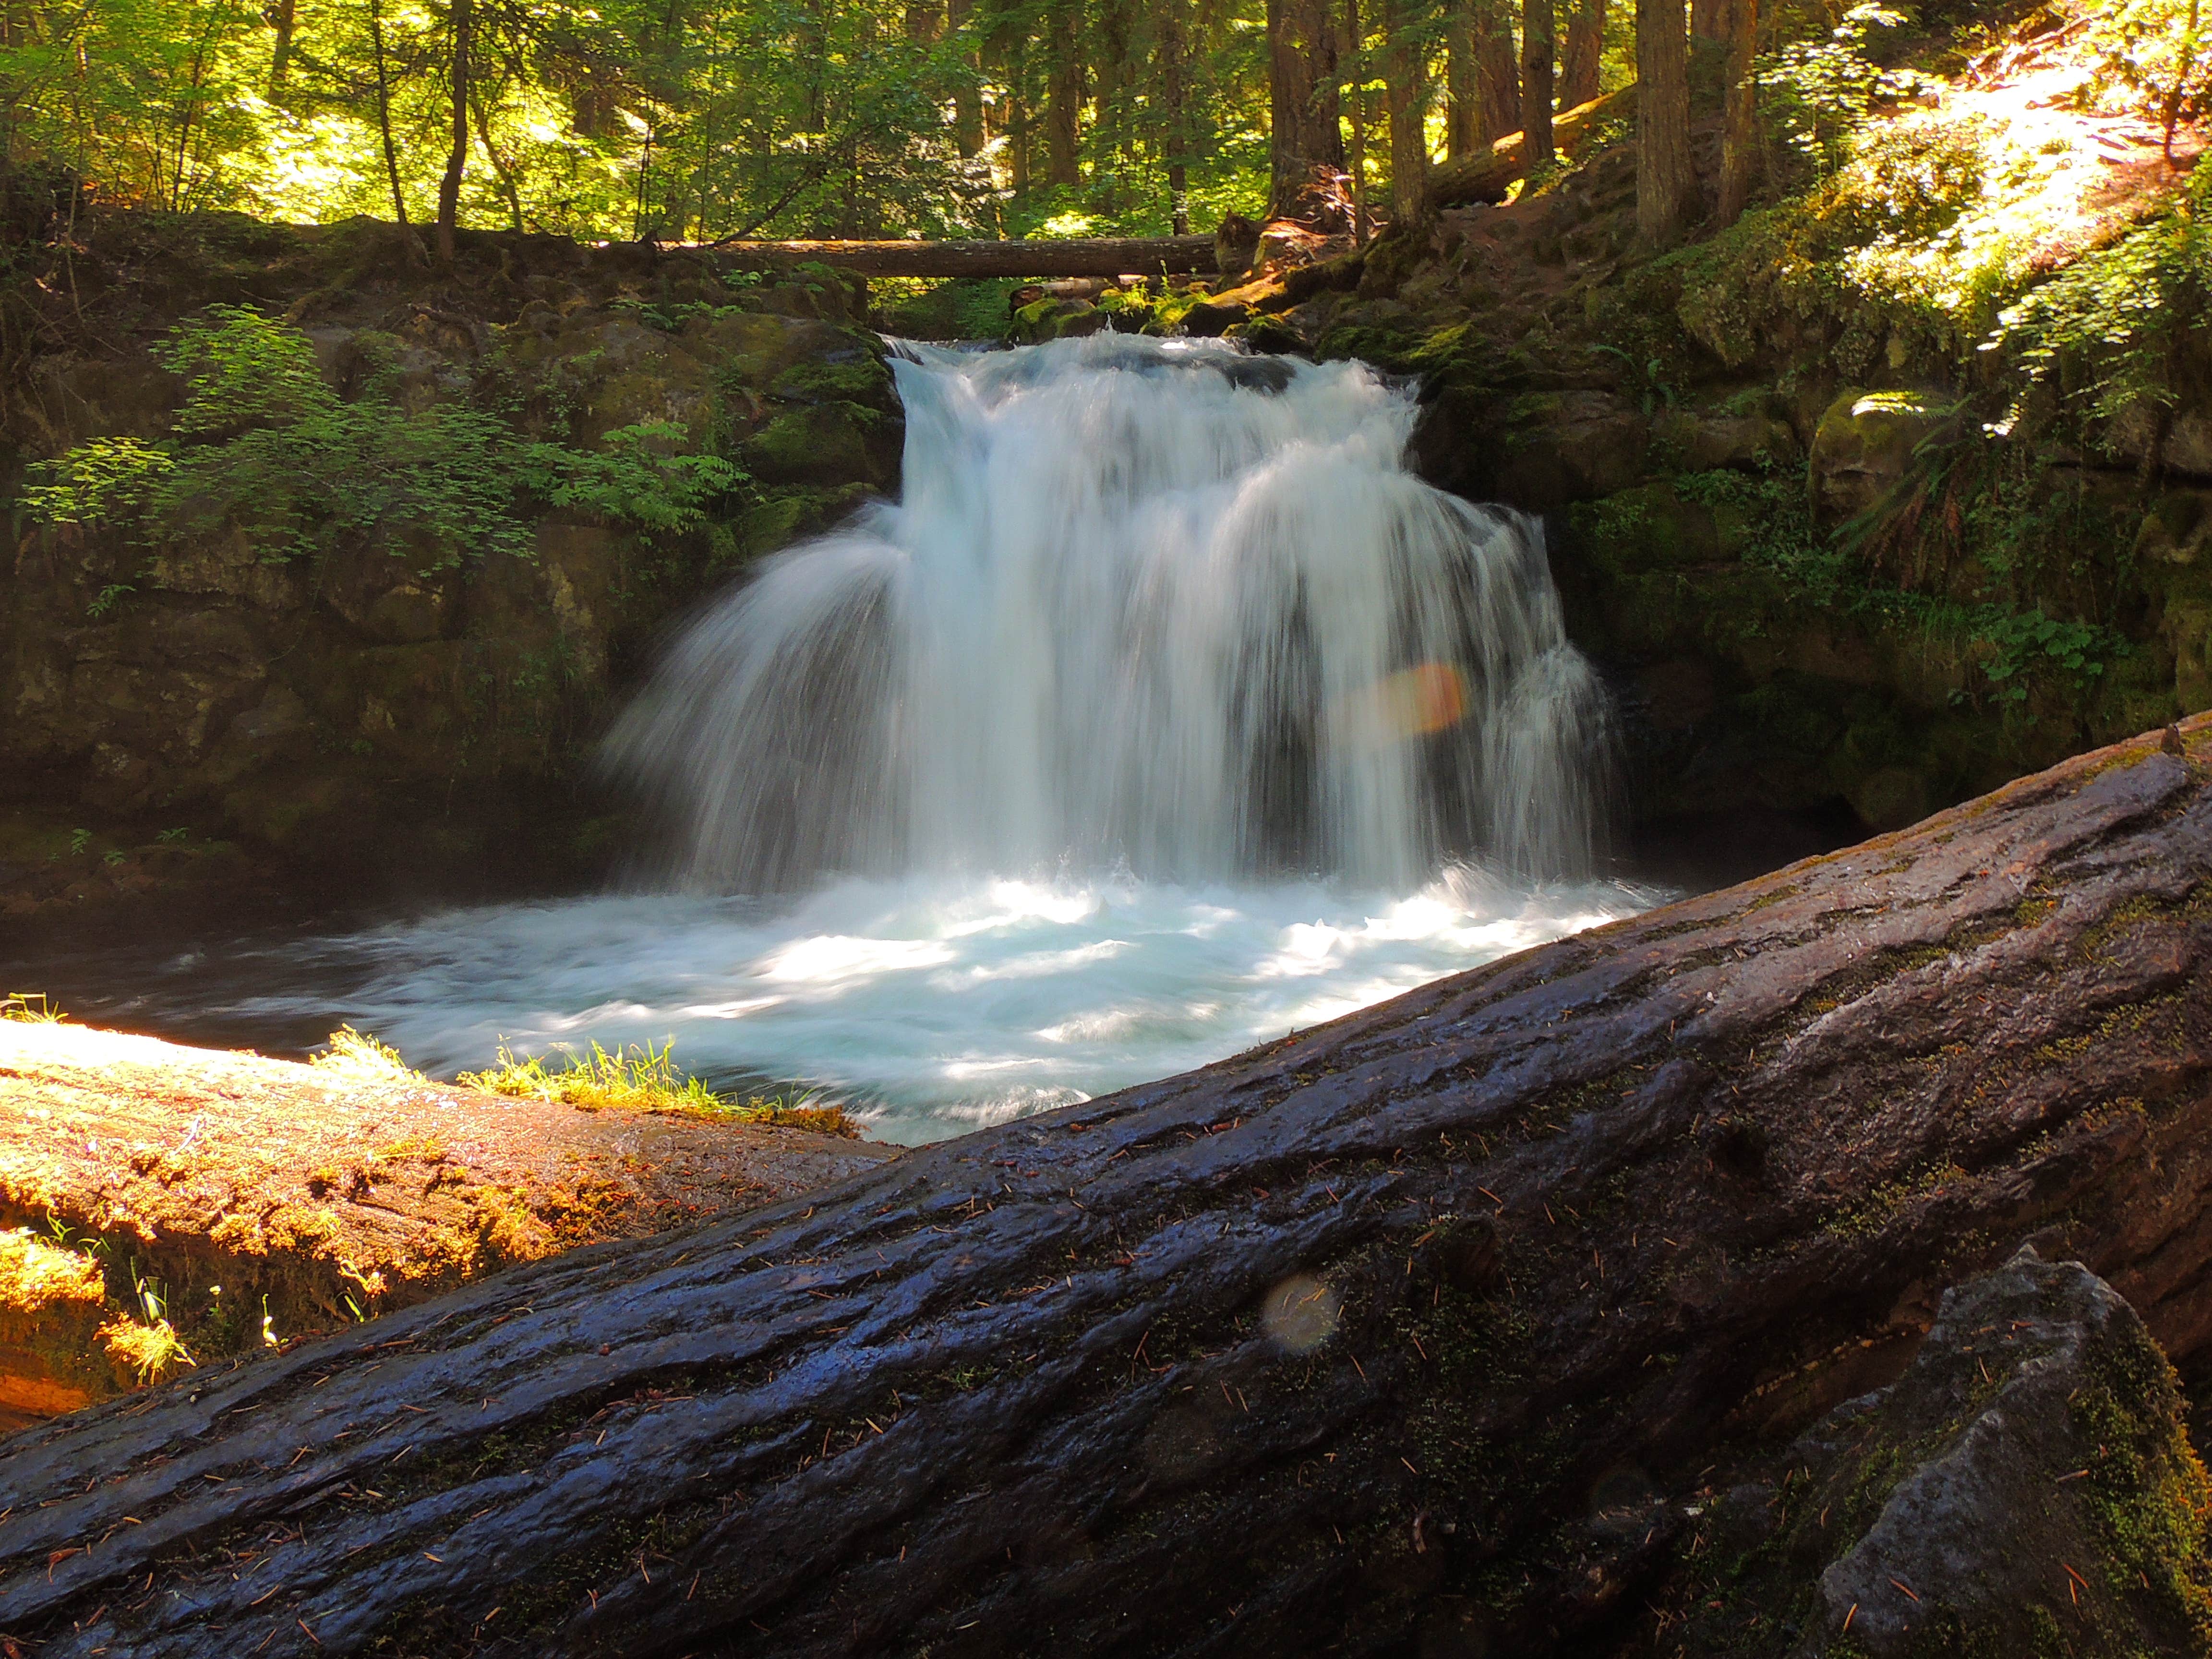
{"points": [[2105, 330], [1815, 94], [641, 1077], [265, 447], [640, 477]]}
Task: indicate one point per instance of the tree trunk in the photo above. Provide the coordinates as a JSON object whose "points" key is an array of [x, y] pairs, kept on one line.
{"points": [[1583, 55], [1064, 95], [1498, 72], [1175, 139], [449, 189], [283, 18], [503, 170], [1405, 71], [1666, 182], [1462, 93], [1097, 256], [1738, 130], [1536, 23], [383, 129], [968, 95], [1324, 1348], [1301, 104], [1354, 63]]}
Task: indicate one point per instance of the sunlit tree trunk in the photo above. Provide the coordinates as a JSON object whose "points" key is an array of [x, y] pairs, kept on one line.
{"points": [[1355, 45], [384, 122], [1584, 52], [1406, 88], [1536, 25], [1666, 184], [283, 17], [449, 189], [1302, 101], [1739, 135], [503, 168]]}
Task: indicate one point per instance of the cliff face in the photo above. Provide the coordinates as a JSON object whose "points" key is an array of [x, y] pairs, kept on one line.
{"points": [[371, 691]]}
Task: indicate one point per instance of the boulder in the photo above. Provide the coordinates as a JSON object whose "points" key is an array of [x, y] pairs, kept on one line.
{"points": [[1864, 444], [2027, 1487]]}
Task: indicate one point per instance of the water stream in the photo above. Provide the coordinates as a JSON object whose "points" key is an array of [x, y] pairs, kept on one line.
{"points": [[1165, 713]]}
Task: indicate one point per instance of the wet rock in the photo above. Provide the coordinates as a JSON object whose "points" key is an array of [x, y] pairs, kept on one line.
{"points": [[2027, 1487]]}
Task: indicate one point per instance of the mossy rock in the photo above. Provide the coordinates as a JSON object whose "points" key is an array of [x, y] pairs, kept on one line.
{"points": [[2173, 561], [822, 444], [1652, 528], [2026, 1488], [1864, 444]]}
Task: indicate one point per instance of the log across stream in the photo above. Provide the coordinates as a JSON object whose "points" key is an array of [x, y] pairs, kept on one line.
{"points": [[1313, 1348]]}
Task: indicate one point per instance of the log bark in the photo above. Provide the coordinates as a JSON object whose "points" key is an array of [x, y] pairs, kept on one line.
{"points": [[1102, 255], [1324, 1348]]}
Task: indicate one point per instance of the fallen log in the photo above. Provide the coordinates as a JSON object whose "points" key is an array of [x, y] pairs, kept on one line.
{"points": [[1103, 256], [169, 1205], [1349, 1344], [1488, 175]]}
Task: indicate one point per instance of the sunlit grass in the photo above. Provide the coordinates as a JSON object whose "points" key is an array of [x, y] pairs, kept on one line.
{"points": [[30, 1008], [357, 1054], [641, 1077]]}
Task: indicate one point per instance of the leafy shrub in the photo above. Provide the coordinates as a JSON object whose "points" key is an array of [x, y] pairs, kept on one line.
{"points": [[1815, 94], [264, 444], [2105, 330]]}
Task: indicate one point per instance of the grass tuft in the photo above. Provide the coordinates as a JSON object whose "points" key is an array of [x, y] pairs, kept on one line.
{"points": [[30, 1008], [357, 1054], [641, 1077]]}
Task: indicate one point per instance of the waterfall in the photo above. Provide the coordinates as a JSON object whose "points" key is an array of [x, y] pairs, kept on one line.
{"points": [[1167, 712], [1158, 606]]}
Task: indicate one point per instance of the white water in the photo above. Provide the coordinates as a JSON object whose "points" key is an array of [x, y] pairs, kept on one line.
{"points": [[935, 1004], [1165, 713], [1146, 603]]}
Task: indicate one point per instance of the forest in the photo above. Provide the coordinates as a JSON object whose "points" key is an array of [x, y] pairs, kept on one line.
{"points": [[699, 121]]}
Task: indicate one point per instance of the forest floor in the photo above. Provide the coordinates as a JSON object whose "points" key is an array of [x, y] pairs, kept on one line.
{"points": [[171, 1204]]}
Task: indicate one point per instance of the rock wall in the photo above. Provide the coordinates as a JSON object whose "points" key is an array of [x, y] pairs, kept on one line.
{"points": [[166, 694], [1732, 512]]}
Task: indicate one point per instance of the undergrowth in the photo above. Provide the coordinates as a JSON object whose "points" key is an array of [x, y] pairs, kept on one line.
{"points": [[265, 447]]}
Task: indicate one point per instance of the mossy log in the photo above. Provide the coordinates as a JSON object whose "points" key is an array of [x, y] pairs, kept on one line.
{"points": [[1099, 256], [1339, 1345], [168, 1204]]}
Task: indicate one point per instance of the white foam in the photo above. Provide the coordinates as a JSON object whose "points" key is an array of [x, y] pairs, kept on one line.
{"points": [[933, 1004]]}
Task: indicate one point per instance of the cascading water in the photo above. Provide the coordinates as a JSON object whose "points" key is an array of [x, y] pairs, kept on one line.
{"points": [[1155, 604], [1164, 714]]}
